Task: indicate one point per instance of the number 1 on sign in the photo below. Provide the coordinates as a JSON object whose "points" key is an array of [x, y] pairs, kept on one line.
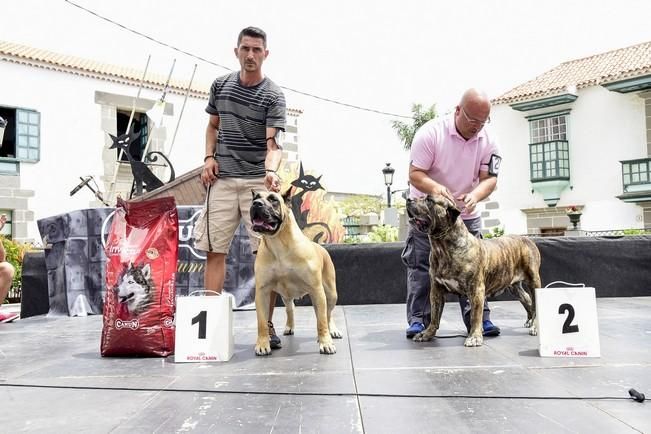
{"points": [[201, 319], [567, 327]]}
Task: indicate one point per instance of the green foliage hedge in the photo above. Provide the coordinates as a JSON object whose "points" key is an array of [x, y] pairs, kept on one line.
{"points": [[15, 251]]}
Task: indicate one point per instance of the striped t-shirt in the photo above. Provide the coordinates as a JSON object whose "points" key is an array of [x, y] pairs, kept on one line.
{"points": [[244, 114]]}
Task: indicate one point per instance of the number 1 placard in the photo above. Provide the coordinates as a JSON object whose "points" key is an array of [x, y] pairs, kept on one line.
{"points": [[567, 322], [204, 329]]}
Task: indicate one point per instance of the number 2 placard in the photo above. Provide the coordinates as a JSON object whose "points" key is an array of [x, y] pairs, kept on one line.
{"points": [[204, 329], [567, 322]]}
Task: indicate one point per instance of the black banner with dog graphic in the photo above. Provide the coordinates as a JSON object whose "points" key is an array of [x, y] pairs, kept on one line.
{"points": [[76, 263]]}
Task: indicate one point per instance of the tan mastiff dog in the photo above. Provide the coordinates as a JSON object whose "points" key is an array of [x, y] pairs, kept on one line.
{"points": [[291, 265], [463, 264]]}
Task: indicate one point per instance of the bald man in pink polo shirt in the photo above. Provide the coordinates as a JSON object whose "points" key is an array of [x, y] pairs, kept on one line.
{"points": [[457, 158]]}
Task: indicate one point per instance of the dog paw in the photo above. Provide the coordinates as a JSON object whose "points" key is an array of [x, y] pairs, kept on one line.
{"points": [[327, 348], [529, 323], [335, 334], [288, 331], [422, 337], [474, 341], [262, 348], [533, 331]]}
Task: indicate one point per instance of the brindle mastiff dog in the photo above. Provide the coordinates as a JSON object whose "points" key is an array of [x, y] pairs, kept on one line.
{"points": [[463, 264], [291, 265]]}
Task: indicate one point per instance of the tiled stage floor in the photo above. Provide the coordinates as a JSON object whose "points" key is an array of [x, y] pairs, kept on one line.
{"points": [[52, 379]]}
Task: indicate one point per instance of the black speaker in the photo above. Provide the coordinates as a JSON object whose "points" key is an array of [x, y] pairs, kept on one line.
{"points": [[34, 298]]}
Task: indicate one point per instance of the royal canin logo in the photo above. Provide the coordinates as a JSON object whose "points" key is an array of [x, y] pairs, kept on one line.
{"points": [[130, 324], [570, 351], [168, 322]]}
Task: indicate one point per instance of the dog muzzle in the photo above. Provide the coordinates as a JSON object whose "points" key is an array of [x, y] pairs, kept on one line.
{"points": [[262, 220], [421, 224]]}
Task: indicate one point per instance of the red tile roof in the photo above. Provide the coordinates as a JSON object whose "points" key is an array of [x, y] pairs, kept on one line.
{"points": [[612, 66], [23, 54]]}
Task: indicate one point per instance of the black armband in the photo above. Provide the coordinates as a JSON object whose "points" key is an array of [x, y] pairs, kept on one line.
{"points": [[494, 165]]}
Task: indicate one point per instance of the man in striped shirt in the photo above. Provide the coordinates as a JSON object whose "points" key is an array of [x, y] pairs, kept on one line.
{"points": [[246, 117]]}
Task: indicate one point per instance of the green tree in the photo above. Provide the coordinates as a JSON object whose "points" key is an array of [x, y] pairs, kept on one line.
{"points": [[406, 131], [355, 206], [14, 255], [495, 233], [383, 234]]}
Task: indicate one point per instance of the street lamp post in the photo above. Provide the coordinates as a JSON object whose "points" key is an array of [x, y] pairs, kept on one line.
{"points": [[388, 172]]}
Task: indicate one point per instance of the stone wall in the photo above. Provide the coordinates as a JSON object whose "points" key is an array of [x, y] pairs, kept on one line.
{"points": [[15, 199]]}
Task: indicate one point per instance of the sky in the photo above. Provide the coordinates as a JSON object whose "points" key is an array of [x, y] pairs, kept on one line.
{"points": [[380, 55]]}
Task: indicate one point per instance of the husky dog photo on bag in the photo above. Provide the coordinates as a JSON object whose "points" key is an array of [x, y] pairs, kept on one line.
{"points": [[135, 290]]}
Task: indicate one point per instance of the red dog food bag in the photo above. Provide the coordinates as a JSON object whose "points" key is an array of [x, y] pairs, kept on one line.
{"points": [[141, 255]]}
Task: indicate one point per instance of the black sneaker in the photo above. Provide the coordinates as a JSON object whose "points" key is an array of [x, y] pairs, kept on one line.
{"points": [[274, 340]]}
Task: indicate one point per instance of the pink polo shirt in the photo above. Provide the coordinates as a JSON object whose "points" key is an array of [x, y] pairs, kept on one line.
{"points": [[449, 159]]}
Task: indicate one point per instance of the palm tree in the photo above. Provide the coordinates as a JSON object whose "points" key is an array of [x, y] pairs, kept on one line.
{"points": [[406, 131]]}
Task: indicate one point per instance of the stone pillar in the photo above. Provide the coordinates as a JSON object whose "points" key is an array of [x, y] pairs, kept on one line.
{"points": [[488, 222], [16, 200]]}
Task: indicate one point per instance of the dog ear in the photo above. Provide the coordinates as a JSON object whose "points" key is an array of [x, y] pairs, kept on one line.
{"points": [[287, 196], [454, 213], [146, 271]]}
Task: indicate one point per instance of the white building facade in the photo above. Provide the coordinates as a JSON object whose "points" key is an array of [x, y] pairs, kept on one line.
{"points": [[578, 135], [60, 110]]}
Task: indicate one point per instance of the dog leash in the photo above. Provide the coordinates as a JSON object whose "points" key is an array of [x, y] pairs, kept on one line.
{"points": [[207, 217]]}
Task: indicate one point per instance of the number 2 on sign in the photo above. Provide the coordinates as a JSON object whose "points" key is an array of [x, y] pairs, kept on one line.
{"points": [[201, 319], [567, 328]]}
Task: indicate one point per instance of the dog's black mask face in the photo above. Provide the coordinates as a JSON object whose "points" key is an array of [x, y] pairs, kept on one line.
{"points": [[266, 212], [432, 214]]}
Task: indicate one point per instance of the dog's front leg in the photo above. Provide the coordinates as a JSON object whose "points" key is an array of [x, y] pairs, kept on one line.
{"points": [[262, 300], [437, 301], [476, 336], [321, 310]]}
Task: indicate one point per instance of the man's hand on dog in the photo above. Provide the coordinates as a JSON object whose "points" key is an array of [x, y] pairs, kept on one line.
{"points": [[442, 190], [469, 202]]}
